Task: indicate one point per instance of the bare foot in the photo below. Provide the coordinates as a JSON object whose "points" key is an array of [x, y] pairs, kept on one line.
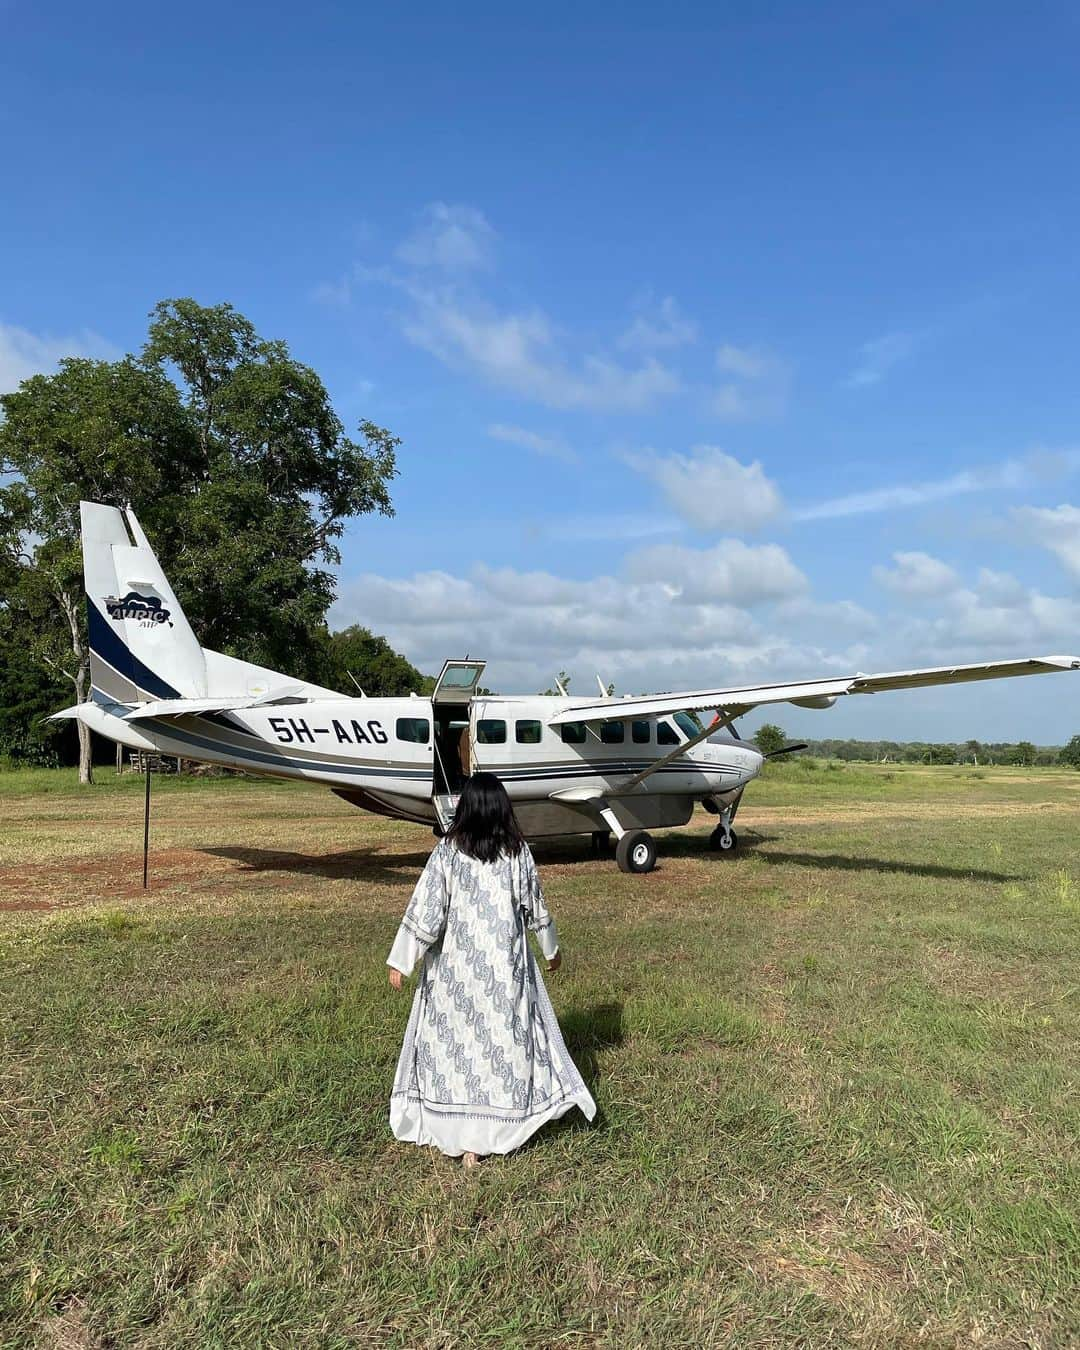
{"points": [[470, 1159]]}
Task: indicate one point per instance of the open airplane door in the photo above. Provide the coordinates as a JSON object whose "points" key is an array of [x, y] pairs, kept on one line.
{"points": [[450, 706]]}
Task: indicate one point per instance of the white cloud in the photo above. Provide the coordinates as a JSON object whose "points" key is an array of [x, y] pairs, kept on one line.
{"points": [[553, 447], [679, 618], [1000, 589], [1056, 528], [997, 616], [1010, 474], [669, 623], [23, 353], [745, 362], [517, 351], [992, 621], [879, 356], [757, 384], [730, 572], [710, 489], [918, 574], [450, 237], [842, 617], [658, 326]]}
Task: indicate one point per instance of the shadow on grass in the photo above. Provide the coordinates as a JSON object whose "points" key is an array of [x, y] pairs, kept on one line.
{"points": [[356, 864], [586, 1031], [846, 862], [365, 864]]}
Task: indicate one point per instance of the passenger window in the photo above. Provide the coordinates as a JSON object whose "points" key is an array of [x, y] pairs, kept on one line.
{"points": [[666, 734], [573, 733], [640, 732], [413, 729], [612, 733], [490, 731], [528, 733]]}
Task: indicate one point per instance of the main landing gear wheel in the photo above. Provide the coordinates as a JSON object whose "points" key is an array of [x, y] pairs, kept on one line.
{"points": [[724, 843], [636, 852]]}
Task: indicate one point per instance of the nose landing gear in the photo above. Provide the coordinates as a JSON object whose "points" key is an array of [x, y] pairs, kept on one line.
{"points": [[724, 841]]}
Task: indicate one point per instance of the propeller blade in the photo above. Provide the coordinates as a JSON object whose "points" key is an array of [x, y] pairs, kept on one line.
{"points": [[787, 750]]}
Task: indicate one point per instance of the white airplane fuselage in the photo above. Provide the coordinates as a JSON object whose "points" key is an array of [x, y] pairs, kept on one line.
{"points": [[401, 756]]}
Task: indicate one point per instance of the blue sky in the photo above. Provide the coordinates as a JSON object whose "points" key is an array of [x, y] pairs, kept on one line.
{"points": [[725, 342]]}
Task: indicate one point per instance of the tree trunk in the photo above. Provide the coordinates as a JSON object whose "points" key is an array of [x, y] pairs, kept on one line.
{"points": [[86, 763], [82, 670]]}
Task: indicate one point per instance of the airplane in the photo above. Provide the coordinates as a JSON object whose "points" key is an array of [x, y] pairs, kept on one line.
{"points": [[597, 765]]}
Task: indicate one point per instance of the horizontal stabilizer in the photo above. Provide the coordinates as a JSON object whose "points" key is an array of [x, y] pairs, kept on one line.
{"points": [[66, 714], [191, 707]]}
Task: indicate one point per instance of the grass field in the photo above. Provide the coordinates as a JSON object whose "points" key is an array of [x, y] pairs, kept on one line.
{"points": [[836, 1078]]}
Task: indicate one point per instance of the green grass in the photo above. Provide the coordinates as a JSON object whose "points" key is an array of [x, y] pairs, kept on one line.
{"points": [[836, 1079]]}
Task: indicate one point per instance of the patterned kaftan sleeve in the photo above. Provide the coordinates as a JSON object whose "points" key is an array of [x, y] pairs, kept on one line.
{"points": [[531, 899], [425, 916]]}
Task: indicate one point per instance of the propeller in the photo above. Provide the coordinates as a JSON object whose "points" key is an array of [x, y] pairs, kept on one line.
{"points": [[787, 750]]}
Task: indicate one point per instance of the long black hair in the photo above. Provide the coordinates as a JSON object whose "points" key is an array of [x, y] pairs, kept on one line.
{"points": [[485, 826]]}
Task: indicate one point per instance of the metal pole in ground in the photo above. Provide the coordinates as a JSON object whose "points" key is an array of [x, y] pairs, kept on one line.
{"points": [[146, 823]]}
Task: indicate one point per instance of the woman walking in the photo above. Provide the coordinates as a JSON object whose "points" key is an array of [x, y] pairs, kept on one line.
{"points": [[483, 1064]]}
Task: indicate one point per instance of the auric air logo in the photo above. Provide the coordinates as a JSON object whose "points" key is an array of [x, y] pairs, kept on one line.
{"points": [[147, 610]]}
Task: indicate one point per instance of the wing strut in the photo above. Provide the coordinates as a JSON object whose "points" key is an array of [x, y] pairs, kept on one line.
{"points": [[727, 716]]}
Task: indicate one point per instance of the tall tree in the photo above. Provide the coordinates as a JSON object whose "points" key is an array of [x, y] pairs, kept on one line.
{"points": [[112, 431], [769, 738], [235, 461], [1070, 754], [278, 478], [361, 659]]}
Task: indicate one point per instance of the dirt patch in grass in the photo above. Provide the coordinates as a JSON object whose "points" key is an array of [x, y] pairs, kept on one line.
{"points": [[45, 886], [892, 810]]}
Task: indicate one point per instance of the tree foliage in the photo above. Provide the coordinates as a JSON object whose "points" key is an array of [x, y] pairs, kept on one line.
{"points": [[233, 458], [359, 659], [770, 738], [923, 752], [1070, 754]]}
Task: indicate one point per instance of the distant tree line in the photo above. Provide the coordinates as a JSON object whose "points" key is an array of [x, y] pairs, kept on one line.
{"points": [[1023, 753]]}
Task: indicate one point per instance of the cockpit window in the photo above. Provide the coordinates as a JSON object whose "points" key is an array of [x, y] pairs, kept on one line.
{"points": [[666, 734], [689, 724]]}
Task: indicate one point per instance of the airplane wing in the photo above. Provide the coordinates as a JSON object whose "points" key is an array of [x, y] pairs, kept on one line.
{"points": [[808, 693]]}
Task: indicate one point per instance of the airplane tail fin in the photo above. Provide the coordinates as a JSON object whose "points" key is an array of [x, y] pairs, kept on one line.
{"points": [[141, 644]]}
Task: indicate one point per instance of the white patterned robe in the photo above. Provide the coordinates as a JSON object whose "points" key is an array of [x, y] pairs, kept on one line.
{"points": [[483, 1064]]}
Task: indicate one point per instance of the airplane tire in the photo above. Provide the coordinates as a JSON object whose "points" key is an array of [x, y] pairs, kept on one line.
{"points": [[723, 846], [636, 852]]}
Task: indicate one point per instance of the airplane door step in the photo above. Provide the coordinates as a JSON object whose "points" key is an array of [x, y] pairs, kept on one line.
{"points": [[445, 808]]}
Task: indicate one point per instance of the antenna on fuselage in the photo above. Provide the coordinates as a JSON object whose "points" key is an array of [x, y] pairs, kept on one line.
{"points": [[356, 682], [561, 687]]}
